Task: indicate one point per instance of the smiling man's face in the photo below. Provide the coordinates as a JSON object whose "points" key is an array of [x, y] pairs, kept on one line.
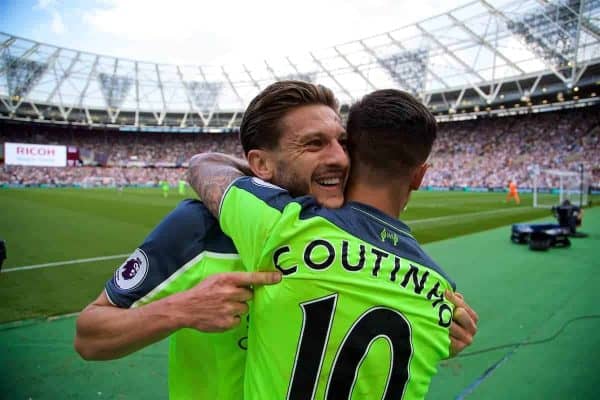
{"points": [[311, 156]]}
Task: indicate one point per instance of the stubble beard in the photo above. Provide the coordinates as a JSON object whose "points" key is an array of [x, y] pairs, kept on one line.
{"points": [[286, 178]]}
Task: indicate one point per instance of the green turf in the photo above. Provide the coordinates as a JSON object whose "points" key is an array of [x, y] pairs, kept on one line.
{"points": [[519, 295], [522, 295], [38, 362], [441, 215], [51, 225], [44, 225]]}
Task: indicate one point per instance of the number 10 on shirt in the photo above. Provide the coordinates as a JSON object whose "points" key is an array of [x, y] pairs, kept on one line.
{"points": [[374, 323]]}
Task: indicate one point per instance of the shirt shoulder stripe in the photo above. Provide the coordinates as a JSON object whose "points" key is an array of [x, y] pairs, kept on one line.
{"points": [[151, 296]]}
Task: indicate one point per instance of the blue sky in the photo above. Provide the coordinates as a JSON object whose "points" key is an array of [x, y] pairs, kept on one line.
{"points": [[208, 32]]}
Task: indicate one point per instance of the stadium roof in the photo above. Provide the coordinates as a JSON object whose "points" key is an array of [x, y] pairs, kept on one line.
{"points": [[481, 54]]}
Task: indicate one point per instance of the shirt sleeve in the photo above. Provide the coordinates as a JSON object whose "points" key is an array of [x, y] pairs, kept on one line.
{"points": [[177, 239], [249, 209]]}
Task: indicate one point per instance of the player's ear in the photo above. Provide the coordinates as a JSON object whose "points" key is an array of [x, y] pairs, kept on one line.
{"points": [[418, 175], [261, 164]]}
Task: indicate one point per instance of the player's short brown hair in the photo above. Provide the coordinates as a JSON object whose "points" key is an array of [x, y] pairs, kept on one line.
{"points": [[260, 128]]}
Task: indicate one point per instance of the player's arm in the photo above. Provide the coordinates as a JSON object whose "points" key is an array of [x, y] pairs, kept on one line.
{"points": [[247, 208], [113, 325], [210, 174], [105, 331]]}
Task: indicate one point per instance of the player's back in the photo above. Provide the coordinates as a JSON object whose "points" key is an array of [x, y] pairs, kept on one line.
{"points": [[360, 311]]}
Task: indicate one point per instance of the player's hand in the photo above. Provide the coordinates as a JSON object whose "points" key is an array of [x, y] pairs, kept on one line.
{"points": [[464, 323], [217, 303]]}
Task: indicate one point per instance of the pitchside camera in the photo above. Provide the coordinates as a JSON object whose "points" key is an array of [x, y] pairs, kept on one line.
{"points": [[568, 216], [544, 236]]}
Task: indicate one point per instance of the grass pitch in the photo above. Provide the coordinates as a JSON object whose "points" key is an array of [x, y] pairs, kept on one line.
{"points": [[44, 226]]}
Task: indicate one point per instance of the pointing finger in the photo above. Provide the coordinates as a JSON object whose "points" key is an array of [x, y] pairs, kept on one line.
{"points": [[255, 278]]}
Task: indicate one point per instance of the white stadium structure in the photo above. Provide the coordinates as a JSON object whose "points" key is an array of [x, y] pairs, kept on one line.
{"points": [[137, 122], [488, 56]]}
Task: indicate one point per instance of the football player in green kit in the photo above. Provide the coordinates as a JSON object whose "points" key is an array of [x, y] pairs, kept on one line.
{"points": [[176, 284], [362, 311]]}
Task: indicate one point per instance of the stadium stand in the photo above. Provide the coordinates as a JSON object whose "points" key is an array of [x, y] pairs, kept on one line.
{"points": [[484, 152], [513, 83], [489, 152]]}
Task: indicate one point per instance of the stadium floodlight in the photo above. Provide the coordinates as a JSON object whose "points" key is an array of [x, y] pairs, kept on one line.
{"points": [[408, 68], [21, 75]]}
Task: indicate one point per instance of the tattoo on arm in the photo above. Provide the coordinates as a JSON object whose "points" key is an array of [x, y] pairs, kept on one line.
{"points": [[211, 181]]}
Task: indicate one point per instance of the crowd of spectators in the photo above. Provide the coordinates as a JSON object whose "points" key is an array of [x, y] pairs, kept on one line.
{"points": [[489, 152], [84, 176], [485, 152]]}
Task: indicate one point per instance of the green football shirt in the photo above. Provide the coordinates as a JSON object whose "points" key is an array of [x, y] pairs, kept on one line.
{"points": [[185, 248], [360, 312]]}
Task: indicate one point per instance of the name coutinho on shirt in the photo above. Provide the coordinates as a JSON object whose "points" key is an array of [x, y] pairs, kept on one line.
{"points": [[321, 254]]}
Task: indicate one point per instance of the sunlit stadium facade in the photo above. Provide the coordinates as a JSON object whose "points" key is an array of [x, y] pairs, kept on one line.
{"points": [[488, 56]]}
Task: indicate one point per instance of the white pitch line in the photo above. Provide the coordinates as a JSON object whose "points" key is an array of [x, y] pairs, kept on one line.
{"points": [[412, 221], [59, 263], [454, 216]]}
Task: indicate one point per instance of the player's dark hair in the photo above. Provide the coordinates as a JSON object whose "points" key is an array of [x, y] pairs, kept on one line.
{"points": [[260, 128], [389, 132]]}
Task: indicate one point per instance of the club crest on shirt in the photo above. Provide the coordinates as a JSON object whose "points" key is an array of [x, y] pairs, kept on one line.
{"points": [[391, 236], [133, 271]]}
